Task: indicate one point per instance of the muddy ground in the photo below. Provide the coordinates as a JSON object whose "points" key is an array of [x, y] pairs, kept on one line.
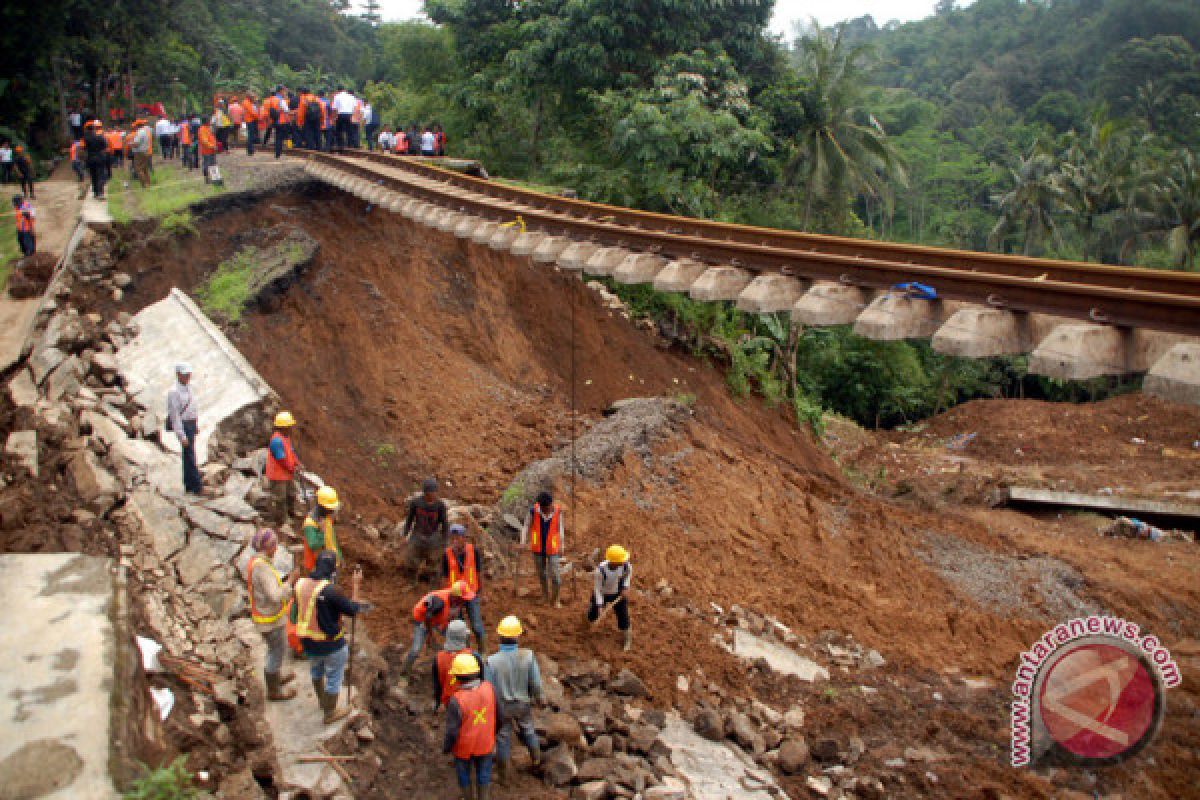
{"points": [[405, 352]]}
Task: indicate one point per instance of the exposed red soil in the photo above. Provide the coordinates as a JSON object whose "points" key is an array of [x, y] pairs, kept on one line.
{"points": [[405, 352]]}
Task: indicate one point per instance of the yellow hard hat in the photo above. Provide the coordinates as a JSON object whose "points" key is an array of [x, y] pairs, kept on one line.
{"points": [[615, 554], [464, 664], [510, 627], [284, 419], [327, 498]]}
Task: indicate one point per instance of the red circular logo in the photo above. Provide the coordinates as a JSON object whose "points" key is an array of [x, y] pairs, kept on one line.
{"points": [[1099, 701]]}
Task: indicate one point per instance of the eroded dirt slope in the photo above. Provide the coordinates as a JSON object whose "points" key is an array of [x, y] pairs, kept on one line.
{"points": [[406, 352]]}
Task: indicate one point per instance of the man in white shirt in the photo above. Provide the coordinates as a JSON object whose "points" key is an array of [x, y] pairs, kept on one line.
{"points": [[344, 105], [369, 124], [612, 591], [386, 141], [6, 161], [140, 149], [428, 143], [75, 120], [183, 418], [162, 132]]}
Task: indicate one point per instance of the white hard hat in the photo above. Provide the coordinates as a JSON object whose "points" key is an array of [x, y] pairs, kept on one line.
{"points": [[183, 368]]}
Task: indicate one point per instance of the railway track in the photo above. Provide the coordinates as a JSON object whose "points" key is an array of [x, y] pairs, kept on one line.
{"points": [[1120, 296]]}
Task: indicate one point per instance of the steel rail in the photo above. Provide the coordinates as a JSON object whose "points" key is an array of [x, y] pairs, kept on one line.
{"points": [[1084, 298]]}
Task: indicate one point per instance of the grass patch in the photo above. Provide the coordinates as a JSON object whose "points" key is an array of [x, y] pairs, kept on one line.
{"points": [[172, 189], [178, 223], [513, 493], [228, 288], [9, 249], [172, 782], [533, 187]]}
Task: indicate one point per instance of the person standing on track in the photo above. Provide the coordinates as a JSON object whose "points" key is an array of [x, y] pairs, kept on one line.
{"points": [[425, 530], [518, 681], [612, 591], [461, 562], [344, 105], [545, 532], [250, 115]]}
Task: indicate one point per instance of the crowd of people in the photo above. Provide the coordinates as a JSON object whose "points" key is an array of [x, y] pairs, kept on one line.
{"points": [[485, 699], [316, 120]]}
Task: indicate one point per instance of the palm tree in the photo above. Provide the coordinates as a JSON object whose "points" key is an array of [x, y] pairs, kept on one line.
{"points": [[1030, 205], [1097, 177], [840, 148], [1175, 199]]}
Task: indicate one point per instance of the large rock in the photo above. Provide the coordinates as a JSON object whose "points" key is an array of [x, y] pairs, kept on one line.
{"points": [[595, 769], [592, 790], [558, 766], [22, 391], [23, 445], [208, 521], [793, 755], [745, 733], [160, 521], [103, 428], [233, 507], [627, 683], [562, 728], [66, 380], [43, 361], [95, 485], [642, 738], [709, 724], [198, 560]]}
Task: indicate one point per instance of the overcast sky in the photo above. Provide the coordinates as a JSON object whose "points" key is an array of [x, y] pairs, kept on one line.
{"points": [[786, 11]]}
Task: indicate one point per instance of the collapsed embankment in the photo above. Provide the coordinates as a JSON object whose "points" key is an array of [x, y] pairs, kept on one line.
{"points": [[406, 352]]}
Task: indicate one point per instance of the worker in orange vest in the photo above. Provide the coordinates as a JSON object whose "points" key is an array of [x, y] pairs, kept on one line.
{"points": [[187, 145], [24, 215], [77, 159], [270, 601], [281, 467], [250, 114], [545, 532], [445, 684], [472, 718], [461, 563], [206, 141], [431, 615], [310, 117]]}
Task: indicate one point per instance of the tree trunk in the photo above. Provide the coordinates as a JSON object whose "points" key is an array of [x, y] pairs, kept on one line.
{"points": [[64, 124], [535, 136]]}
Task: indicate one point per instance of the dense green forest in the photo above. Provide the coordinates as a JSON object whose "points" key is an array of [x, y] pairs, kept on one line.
{"points": [[1064, 128]]}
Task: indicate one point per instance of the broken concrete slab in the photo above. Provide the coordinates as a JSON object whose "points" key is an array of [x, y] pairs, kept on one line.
{"points": [[66, 380], [23, 446], [208, 521], [174, 330], [1114, 503], [43, 361], [781, 659], [56, 676], [95, 485], [196, 561], [714, 770]]}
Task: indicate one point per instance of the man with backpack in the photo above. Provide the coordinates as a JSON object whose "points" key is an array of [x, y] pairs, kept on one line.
{"points": [[311, 117], [276, 108]]}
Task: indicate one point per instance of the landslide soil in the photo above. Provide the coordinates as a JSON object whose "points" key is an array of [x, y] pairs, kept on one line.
{"points": [[406, 352]]}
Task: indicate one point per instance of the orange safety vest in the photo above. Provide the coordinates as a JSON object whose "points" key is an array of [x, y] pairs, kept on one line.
{"points": [[185, 134], [449, 682], [477, 731], [442, 619], [249, 112], [75, 150], [263, 619], [306, 601], [468, 574], [401, 142], [283, 470], [356, 116], [310, 555], [553, 544], [24, 218], [207, 140], [116, 142]]}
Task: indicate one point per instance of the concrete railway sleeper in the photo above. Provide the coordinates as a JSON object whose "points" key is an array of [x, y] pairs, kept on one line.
{"points": [[1079, 321]]}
